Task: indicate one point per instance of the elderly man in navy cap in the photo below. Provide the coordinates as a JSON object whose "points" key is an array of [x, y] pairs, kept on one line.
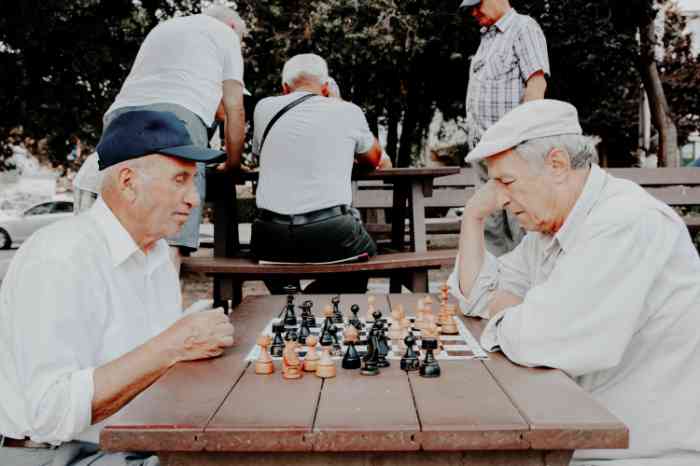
{"points": [[90, 308], [510, 67], [604, 286]]}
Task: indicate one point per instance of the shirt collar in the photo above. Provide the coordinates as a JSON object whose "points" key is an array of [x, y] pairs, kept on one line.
{"points": [[121, 245], [502, 24], [592, 191]]}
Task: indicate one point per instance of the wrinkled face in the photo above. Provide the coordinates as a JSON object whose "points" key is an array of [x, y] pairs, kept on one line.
{"points": [[528, 194], [484, 13], [166, 194]]}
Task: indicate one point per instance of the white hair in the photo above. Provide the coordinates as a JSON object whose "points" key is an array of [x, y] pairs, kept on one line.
{"points": [[142, 165], [228, 16], [581, 149], [305, 66]]}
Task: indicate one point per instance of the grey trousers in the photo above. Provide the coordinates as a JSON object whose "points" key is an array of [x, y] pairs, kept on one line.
{"points": [[73, 454]]}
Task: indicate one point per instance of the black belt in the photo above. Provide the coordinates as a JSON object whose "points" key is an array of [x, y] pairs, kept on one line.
{"points": [[303, 219], [22, 443]]}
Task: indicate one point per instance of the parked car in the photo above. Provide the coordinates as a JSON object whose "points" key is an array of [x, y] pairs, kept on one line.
{"points": [[15, 228]]}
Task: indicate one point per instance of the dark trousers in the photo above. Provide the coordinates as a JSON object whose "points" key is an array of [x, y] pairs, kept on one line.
{"points": [[330, 239]]}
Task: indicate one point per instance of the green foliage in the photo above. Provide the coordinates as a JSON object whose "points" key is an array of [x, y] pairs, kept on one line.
{"points": [[63, 62]]}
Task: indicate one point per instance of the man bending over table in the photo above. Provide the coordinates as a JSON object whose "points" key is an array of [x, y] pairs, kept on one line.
{"points": [[604, 286], [90, 308]]}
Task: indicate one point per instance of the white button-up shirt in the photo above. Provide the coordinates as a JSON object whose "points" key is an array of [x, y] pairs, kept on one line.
{"points": [[613, 299], [78, 294]]}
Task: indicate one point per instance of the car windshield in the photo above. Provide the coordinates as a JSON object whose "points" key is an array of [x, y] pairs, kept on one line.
{"points": [[40, 209]]}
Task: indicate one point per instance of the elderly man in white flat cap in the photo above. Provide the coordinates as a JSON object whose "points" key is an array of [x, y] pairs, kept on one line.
{"points": [[604, 286]]}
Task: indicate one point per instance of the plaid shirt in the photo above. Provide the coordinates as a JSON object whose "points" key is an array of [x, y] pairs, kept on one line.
{"points": [[511, 51]]}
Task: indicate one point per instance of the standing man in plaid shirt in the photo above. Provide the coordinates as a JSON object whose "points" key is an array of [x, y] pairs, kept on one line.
{"points": [[509, 68]]}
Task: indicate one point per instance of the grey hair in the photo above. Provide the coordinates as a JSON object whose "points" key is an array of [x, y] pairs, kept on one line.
{"points": [[228, 16], [305, 66], [581, 149]]}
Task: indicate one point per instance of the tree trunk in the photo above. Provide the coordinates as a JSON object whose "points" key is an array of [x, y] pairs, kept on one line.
{"points": [[392, 138], [668, 153]]}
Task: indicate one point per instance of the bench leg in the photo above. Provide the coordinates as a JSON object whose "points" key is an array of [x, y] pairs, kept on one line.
{"points": [[226, 289], [419, 281], [395, 282]]}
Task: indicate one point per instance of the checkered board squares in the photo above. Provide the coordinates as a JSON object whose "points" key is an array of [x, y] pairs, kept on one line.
{"points": [[453, 347]]}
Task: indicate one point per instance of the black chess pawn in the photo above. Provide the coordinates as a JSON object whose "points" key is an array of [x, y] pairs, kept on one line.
{"points": [[429, 367], [354, 320], [290, 317], [370, 360], [352, 359], [377, 316], [410, 361], [382, 347], [277, 346]]}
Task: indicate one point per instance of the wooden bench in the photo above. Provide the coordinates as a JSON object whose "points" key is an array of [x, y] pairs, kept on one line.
{"points": [[409, 190], [677, 187]]}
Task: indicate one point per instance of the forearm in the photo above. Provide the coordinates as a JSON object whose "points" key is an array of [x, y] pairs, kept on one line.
{"points": [[535, 87], [235, 136], [119, 381], [471, 251]]}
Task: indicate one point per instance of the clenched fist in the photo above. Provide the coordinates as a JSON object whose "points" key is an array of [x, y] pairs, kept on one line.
{"points": [[199, 335]]}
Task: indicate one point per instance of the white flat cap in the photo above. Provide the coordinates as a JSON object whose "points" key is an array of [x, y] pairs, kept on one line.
{"points": [[531, 120]]}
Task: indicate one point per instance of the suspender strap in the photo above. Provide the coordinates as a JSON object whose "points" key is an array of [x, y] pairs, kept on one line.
{"points": [[279, 114]]}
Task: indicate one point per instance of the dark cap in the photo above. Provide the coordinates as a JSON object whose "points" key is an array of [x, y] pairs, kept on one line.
{"points": [[143, 132], [469, 3]]}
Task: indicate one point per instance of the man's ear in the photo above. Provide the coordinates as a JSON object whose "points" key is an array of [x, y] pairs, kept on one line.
{"points": [[325, 91], [286, 89], [558, 163], [127, 184]]}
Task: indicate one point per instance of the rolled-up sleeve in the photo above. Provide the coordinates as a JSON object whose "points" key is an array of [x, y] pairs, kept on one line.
{"points": [[55, 351], [508, 272]]}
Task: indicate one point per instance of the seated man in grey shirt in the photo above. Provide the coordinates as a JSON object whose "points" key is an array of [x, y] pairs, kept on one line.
{"points": [[306, 159]]}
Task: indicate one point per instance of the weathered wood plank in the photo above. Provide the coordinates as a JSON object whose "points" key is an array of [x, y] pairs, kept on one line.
{"points": [[360, 413], [465, 409], [174, 411], [251, 268], [561, 414]]}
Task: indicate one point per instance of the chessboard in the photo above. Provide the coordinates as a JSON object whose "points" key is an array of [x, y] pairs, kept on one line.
{"points": [[452, 347]]}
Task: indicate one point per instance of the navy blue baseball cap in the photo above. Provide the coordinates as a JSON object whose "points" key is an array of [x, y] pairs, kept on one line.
{"points": [[144, 132]]}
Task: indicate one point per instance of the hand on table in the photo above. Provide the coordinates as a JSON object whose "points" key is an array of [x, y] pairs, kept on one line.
{"points": [[200, 335]]}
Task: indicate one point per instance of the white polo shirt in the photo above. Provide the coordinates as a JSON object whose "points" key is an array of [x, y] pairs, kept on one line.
{"points": [[307, 158], [78, 294], [184, 61]]}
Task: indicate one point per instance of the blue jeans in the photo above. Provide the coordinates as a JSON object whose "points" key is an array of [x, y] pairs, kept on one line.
{"points": [[188, 237]]}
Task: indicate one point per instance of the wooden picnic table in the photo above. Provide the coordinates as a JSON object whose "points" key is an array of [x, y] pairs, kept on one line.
{"points": [[410, 188], [479, 412]]}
